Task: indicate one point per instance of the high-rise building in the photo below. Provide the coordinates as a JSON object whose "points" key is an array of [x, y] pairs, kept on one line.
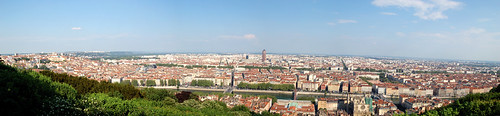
{"points": [[264, 55]]}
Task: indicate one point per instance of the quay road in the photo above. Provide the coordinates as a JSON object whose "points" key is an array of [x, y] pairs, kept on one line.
{"points": [[257, 91], [277, 92]]}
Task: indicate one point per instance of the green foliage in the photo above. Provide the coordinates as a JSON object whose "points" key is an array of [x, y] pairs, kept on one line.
{"points": [[370, 70], [473, 104], [436, 72], [135, 83], [266, 113], [495, 89], [267, 86], [230, 67], [44, 61], [239, 108], [157, 94], [150, 83], [28, 93], [173, 82], [47, 93], [85, 86], [366, 80], [126, 82], [312, 69], [312, 99], [43, 67], [22, 58], [204, 83], [169, 65]]}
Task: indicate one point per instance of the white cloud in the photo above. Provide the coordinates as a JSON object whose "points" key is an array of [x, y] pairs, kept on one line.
{"points": [[331, 23], [76, 28], [401, 34], [473, 30], [246, 36], [424, 9], [249, 36], [388, 13], [346, 21]]}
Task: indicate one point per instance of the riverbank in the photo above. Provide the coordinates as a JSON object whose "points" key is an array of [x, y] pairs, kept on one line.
{"points": [[301, 93]]}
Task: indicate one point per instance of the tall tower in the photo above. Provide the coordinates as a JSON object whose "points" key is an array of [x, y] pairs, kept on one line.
{"points": [[264, 55]]}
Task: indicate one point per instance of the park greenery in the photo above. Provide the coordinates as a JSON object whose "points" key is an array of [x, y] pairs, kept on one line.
{"points": [[366, 80], [384, 78], [312, 69], [308, 98], [26, 92], [429, 72], [266, 86], [480, 104], [188, 66], [370, 70], [203, 83], [41, 67], [22, 58], [173, 82]]}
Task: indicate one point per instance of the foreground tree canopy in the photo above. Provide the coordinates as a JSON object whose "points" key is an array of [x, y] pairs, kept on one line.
{"points": [[480, 104], [25, 92]]}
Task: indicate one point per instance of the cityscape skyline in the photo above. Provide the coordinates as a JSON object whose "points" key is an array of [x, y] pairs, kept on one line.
{"points": [[442, 29]]}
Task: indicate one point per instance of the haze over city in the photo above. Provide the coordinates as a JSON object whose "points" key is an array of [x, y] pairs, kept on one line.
{"points": [[444, 29]]}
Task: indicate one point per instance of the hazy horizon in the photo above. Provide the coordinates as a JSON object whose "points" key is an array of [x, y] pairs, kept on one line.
{"points": [[440, 29]]}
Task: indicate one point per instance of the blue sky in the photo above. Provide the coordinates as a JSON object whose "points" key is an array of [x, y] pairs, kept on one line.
{"points": [[448, 29]]}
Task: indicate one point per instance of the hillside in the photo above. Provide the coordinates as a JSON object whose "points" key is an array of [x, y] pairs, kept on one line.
{"points": [[25, 92], [482, 104]]}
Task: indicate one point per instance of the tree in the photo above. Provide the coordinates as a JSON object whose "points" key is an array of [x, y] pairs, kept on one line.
{"points": [[126, 82], [173, 82], [135, 83], [150, 83]]}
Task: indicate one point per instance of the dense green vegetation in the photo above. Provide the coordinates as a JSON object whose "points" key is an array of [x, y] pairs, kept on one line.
{"points": [[189, 66], [429, 72], [22, 58], [85, 86], [42, 67], [204, 83], [482, 104], [383, 78], [169, 65], [150, 83], [312, 99], [267, 86], [370, 70], [366, 80], [173, 82], [312, 69], [25, 92], [230, 94]]}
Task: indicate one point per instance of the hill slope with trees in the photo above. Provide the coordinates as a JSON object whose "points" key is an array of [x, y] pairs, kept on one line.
{"points": [[26, 92]]}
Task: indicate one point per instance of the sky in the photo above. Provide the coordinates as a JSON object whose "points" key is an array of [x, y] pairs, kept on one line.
{"points": [[444, 29]]}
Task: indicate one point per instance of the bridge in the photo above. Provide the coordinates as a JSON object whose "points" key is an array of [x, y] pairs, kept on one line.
{"points": [[229, 90], [231, 87]]}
